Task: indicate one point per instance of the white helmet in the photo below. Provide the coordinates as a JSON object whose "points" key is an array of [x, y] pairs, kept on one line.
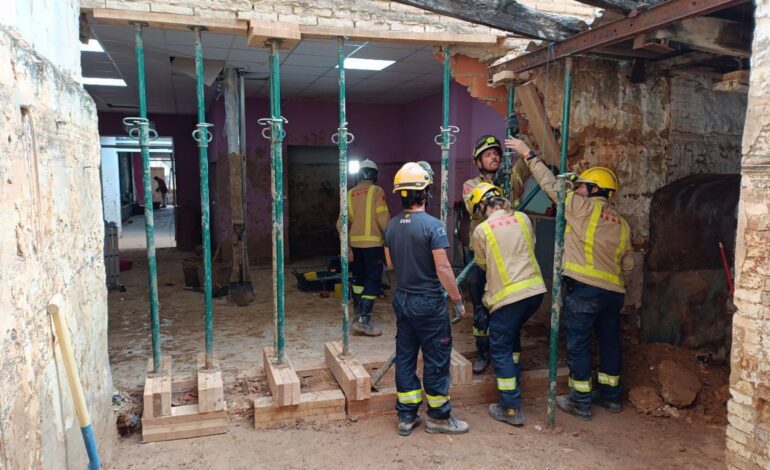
{"points": [[368, 164]]}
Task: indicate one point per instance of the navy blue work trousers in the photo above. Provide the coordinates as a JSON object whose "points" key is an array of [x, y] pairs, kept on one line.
{"points": [[367, 270], [477, 281]]}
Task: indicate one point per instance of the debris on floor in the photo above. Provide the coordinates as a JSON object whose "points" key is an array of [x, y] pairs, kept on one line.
{"points": [[667, 381]]}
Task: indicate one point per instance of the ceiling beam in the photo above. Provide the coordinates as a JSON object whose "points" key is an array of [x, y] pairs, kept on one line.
{"points": [[684, 60], [618, 6], [507, 15], [657, 17], [710, 34]]}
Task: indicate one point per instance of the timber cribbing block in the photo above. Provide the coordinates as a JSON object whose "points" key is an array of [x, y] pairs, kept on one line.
{"points": [[283, 379], [184, 422], [352, 377], [211, 394], [327, 405], [157, 390], [460, 369]]}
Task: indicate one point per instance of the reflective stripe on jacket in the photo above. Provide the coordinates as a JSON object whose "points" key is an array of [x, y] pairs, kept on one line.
{"points": [[504, 246], [367, 215]]}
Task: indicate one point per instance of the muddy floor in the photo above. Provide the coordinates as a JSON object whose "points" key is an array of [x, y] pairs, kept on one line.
{"points": [[628, 440]]}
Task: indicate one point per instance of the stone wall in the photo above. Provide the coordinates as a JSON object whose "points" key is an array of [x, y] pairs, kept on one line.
{"points": [[748, 434], [51, 240], [650, 133]]}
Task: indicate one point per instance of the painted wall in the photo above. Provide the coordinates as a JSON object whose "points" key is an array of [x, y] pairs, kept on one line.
{"points": [[179, 127], [388, 134], [111, 187]]}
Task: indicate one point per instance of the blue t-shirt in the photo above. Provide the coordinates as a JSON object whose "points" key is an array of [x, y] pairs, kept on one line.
{"points": [[411, 238]]}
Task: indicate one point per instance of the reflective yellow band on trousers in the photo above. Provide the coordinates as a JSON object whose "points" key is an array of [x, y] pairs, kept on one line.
{"points": [[516, 356], [435, 401], [369, 297], [580, 385], [357, 289], [410, 398], [506, 383], [611, 380], [477, 332]]}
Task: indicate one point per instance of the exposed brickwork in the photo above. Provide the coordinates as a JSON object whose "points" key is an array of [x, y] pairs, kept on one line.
{"points": [[748, 434]]}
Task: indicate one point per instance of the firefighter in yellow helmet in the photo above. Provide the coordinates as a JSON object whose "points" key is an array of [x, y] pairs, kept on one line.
{"points": [[415, 248], [597, 258], [504, 247], [367, 217]]}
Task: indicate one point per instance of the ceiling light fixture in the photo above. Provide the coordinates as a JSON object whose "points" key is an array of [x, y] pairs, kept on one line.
{"points": [[96, 81], [354, 63], [92, 46]]}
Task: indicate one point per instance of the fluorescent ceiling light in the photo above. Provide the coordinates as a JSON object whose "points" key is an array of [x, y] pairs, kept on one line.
{"points": [[354, 63], [103, 81], [92, 46]]}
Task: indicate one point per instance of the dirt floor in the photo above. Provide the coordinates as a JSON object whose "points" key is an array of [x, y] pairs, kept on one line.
{"points": [[628, 440]]}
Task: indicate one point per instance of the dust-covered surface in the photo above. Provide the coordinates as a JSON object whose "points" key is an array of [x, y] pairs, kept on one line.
{"points": [[628, 441]]}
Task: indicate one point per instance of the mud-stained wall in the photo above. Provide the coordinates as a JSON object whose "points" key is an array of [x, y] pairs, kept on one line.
{"points": [[51, 240], [649, 133]]}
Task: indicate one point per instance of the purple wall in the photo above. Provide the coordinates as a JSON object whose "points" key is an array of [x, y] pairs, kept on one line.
{"points": [[388, 134], [180, 127]]}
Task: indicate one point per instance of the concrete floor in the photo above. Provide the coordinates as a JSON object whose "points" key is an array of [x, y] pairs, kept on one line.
{"points": [[133, 236]]}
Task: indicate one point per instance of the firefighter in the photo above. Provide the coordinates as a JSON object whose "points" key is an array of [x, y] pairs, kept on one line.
{"points": [[597, 258], [504, 247], [487, 156], [415, 247], [367, 218]]}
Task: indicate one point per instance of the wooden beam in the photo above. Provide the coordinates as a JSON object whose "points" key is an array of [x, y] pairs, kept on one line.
{"points": [[287, 35], [684, 60], [460, 369], [157, 390], [507, 15], [283, 380], [184, 422], [351, 376], [709, 34], [539, 126], [657, 17], [327, 405], [211, 390], [169, 21], [357, 34]]}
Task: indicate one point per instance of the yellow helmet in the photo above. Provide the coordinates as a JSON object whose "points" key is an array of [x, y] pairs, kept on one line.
{"points": [[411, 176], [481, 193], [601, 177]]}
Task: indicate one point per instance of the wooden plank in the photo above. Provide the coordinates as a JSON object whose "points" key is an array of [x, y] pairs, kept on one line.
{"points": [[359, 34], [327, 405], [287, 34], [211, 395], [732, 86], [170, 21], [483, 390], [460, 369], [539, 126], [740, 75], [283, 380], [184, 422], [351, 376], [709, 34]]}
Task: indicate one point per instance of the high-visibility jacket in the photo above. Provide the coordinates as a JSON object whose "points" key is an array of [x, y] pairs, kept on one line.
{"points": [[597, 246], [367, 215], [504, 247], [520, 174]]}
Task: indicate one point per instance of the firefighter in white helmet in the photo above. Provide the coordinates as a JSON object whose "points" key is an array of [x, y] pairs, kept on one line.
{"points": [[504, 248], [367, 218]]}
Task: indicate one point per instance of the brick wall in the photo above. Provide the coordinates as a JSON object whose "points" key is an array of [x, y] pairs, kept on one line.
{"points": [[748, 434]]}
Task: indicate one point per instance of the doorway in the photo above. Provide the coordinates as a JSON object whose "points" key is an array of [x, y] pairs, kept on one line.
{"points": [[313, 196]]}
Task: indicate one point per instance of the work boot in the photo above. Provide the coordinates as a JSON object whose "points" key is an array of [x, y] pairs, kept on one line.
{"points": [[363, 324], [611, 406], [406, 426], [451, 425], [567, 405], [481, 362], [507, 415]]}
